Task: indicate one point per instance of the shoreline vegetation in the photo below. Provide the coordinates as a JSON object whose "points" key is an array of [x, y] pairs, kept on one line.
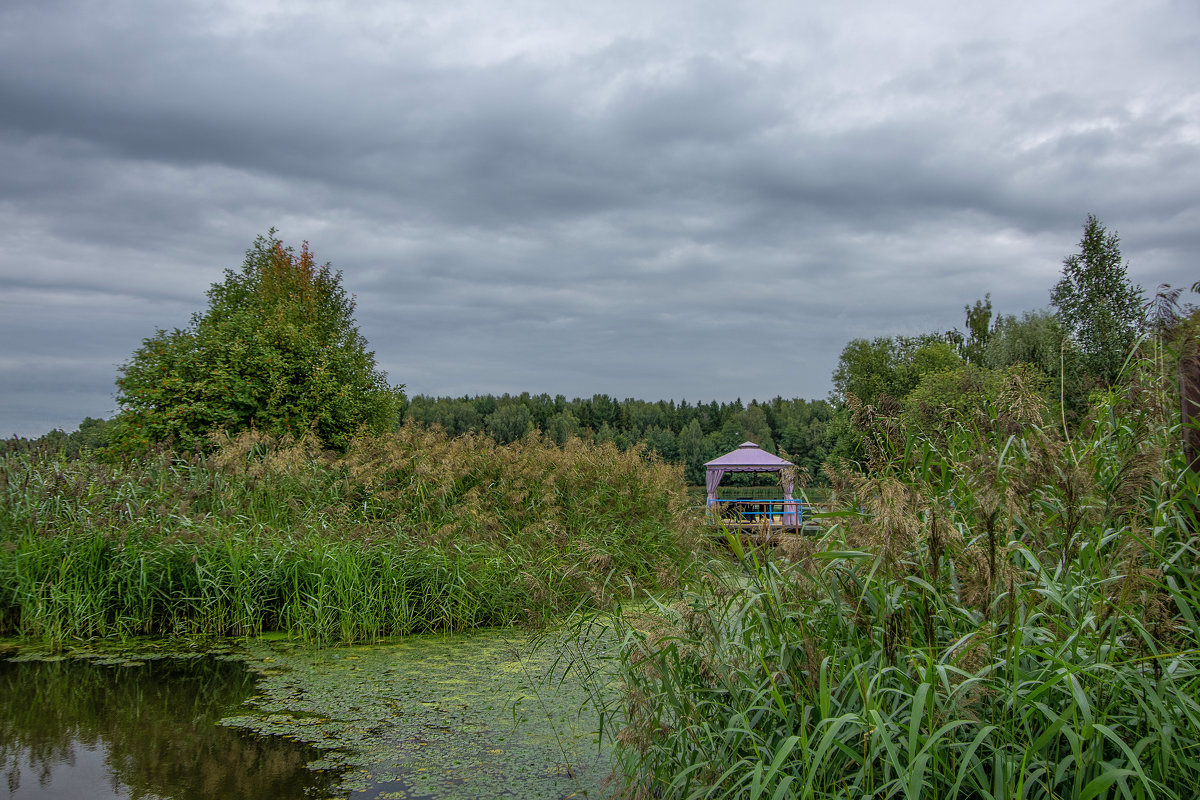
{"points": [[407, 532], [999, 610]]}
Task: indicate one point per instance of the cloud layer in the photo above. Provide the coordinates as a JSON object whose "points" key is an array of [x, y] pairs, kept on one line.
{"points": [[690, 200]]}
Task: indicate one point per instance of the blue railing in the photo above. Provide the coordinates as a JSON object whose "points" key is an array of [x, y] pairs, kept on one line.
{"points": [[758, 512]]}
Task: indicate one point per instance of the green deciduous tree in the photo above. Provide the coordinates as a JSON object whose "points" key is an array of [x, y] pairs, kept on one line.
{"points": [[277, 349], [891, 366], [866, 369], [455, 416], [1036, 337], [662, 442], [562, 426], [1039, 339], [1097, 304], [979, 329], [753, 427], [509, 422]]}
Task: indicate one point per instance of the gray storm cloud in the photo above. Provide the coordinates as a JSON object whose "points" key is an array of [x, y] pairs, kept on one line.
{"points": [[700, 200]]}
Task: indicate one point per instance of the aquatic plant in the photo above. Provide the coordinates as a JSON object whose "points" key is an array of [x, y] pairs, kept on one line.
{"points": [[487, 713], [409, 532], [1000, 611], [481, 714]]}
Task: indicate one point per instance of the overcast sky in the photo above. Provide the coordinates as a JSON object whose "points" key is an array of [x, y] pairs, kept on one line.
{"points": [[700, 200]]}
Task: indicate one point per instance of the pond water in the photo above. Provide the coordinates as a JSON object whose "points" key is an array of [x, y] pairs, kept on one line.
{"points": [[484, 715], [74, 729]]}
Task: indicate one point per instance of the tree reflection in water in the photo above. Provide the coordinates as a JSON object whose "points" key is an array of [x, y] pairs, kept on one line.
{"points": [[145, 731]]}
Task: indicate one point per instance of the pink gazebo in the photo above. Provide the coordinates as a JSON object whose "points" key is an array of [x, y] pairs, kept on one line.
{"points": [[749, 457]]}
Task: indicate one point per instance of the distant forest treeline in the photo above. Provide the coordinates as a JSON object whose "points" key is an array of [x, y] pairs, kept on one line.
{"points": [[677, 432]]}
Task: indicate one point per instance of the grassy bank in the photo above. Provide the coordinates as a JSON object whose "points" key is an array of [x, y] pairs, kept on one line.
{"points": [[1000, 612], [409, 532]]}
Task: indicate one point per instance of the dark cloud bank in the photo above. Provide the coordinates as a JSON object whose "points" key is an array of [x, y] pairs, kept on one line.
{"points": [[687, 201]]}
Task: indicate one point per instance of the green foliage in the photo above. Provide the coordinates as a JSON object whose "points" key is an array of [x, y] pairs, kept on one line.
{"points": [[277, 350], [562, 427], [693, 451], [662, 442], [1039, 340], [880, 376], [1097, 304], [951, 395], [93, 437], [509, 423], [404, 532], [979, 329], [890, 366], [754, 427], [919, 356], [456, 417], [939, 377], [866, 369], [1036, 338], [996, 613]]}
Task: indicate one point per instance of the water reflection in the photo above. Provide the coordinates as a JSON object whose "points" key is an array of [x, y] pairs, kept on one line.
{"points": [[71, 729]]}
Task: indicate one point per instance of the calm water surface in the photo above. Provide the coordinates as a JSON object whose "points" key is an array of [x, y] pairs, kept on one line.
{"points": [[74, 729], [427, 718]]}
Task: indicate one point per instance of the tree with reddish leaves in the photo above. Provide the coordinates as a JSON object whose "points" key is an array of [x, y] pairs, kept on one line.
{"points": [[277, 350]]}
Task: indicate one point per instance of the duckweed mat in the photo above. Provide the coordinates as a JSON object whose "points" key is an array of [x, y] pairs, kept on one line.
{"points": [[480, 715]]}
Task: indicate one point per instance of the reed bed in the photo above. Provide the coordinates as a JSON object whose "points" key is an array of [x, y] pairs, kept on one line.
{"points": [[409, 532], [999, 612]]}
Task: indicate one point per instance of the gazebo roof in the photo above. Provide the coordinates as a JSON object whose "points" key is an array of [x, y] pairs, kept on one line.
{"points": [[749, 457]]}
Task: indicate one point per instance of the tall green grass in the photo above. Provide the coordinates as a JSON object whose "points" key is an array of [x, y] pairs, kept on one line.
{"points": [[404, 533], [999, 612]]}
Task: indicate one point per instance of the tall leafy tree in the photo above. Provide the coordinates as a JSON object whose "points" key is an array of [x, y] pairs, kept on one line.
{"points": [[1039, 339], [662, 442], [1096, 302], [753, 426], [866, 369], [890, 366], [509, 422], [277, 349], [562, 426], [979, 329]]}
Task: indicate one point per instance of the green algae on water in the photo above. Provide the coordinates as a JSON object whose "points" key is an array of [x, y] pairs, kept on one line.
{"points": [[478, 715]]}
